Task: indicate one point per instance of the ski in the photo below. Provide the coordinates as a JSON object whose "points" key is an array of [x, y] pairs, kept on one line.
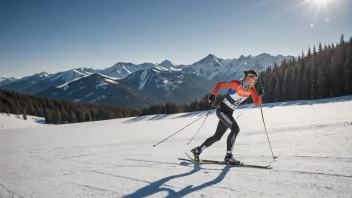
{"points": [[205, 161]]}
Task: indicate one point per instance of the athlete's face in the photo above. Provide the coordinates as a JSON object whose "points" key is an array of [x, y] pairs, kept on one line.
{"points": [[251, 80]]}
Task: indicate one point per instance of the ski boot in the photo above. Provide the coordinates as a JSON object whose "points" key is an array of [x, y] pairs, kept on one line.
{"points": [[229, 159], [196, 153]]}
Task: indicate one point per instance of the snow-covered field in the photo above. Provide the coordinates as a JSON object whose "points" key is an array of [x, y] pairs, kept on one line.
{"points": [[11, 121], [116, 158]]}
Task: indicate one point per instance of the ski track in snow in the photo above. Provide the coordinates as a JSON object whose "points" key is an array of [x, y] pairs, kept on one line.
{"points": [[314, 160]]}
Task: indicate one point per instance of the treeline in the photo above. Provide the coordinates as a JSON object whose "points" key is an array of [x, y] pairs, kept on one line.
{"points": [[321, 73], [169, 108], [57, 111], [62, 112]]}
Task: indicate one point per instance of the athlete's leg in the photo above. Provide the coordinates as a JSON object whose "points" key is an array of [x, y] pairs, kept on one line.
{"points": [[235, 129], [220, 130], [231, 123]]}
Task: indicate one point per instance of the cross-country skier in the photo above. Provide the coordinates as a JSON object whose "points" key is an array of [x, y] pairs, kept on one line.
{"points": [[239, 90]]}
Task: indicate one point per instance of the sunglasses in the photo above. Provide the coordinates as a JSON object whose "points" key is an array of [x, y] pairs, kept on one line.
{"points": [[253, 77]]}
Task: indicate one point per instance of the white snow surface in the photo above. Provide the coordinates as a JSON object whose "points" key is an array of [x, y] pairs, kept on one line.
{"points": [[116, 158], [12, 122]]}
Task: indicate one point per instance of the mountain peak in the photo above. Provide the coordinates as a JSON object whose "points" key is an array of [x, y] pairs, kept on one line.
{"points": [[245, 57], [119, 64], [41, 74], [167, 64], [210, 56]]}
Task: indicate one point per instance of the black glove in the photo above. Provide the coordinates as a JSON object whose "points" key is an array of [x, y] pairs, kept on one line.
{"points": [[211, 99], [261, 91]]}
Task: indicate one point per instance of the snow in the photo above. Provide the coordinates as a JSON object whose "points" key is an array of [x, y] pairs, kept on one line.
{"points": [[122, 70], [70, 76], [111, 81], [116, 158], [109, 77], [211, 66], [126, 70], [12, 122], [91, 93], [161, 68], [144, 79], [168, 64], [102, 84], [98, 99], [5, 81], [175, 69]]}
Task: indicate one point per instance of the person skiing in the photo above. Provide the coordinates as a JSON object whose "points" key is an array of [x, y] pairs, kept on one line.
{"points": [[239, 90]]}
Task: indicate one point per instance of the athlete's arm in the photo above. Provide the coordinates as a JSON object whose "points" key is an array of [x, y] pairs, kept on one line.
{"points": [[231, 85], [256, 99]]}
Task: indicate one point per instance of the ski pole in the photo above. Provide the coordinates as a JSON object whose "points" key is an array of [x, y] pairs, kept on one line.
{"points": [[244, 110], [267, 132], [201, 125], [206, 118], [178, 131]]}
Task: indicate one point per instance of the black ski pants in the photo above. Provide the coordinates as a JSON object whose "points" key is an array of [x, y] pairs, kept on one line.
{"points": [[226, 121]]}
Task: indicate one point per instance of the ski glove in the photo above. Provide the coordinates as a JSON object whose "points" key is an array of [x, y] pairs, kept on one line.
{"points": [[211, 99], [261, 91]]}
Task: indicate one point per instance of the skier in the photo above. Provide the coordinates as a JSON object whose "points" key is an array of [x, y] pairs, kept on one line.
{"points": [[239, 90]]}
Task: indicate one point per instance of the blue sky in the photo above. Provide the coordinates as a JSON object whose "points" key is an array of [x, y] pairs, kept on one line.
{"points": [[53, 36]]}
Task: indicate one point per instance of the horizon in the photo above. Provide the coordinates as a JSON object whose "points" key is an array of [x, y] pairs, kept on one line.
{"points": [[39, 36], [39, 72]]}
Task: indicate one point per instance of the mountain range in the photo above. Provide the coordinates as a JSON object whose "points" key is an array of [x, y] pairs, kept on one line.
{"points": [[135, 86]]}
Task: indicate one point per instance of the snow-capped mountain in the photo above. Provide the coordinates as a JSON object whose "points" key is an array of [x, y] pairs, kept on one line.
{"points": [[5, 81], [98, 89], [42, 81], [122, 70], [170, 66], [168, 85], [212, 67], [72, 74], [166, 81], [24, 83], [208, 67]]}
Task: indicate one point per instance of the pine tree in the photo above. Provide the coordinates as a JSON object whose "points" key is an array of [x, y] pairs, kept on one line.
{"points": [[49, 118], [286, 86], [314, 84], [342, 39], [320, 50], [72, 118], [321, 82], [7, 110], [65, 117], [87, 116], [315, 55], [306, 86], [333, 88], [24, 113], [295, 83], [309, 54], [57, 117], [277, 90], [347, 77]]}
